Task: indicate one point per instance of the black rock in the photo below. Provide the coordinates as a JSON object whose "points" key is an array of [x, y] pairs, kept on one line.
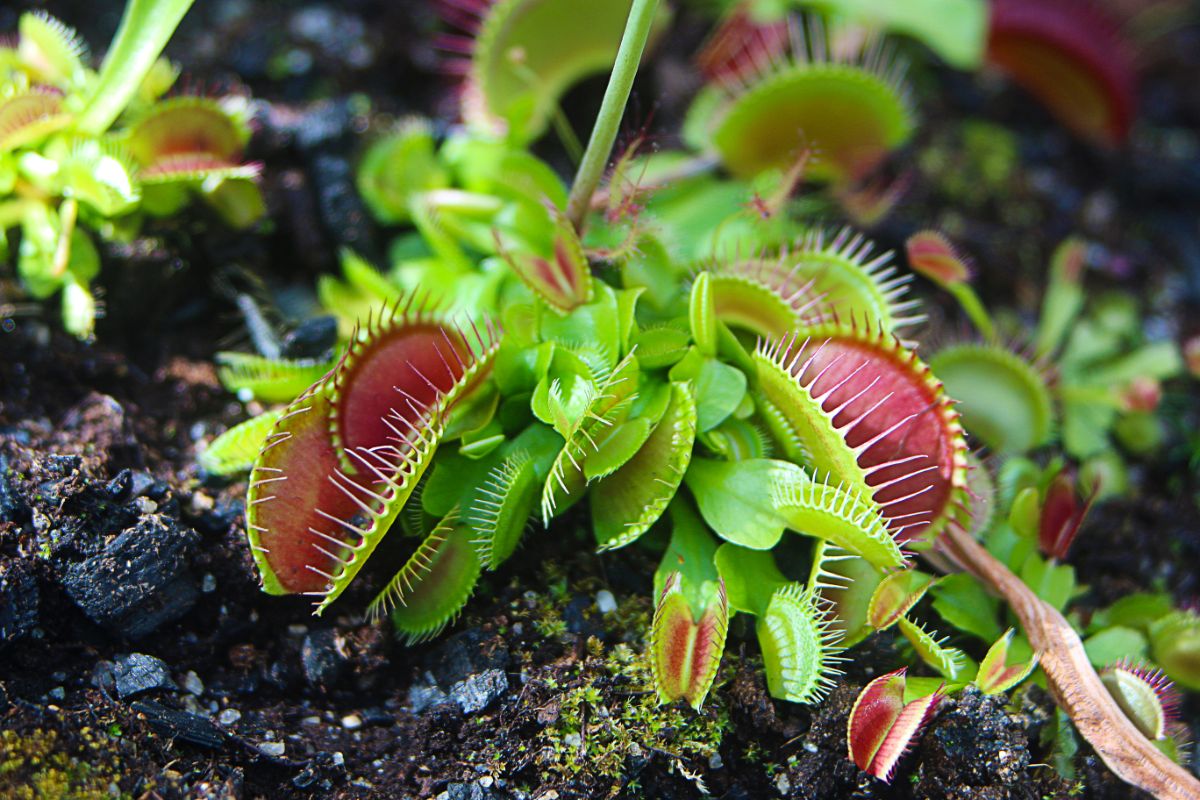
{"points": [[468, 791], [323, 770], [581, 619], [479, 691], [175, 724], [312, 338], [138, 673], [322, 658], [119, 488], [13, 507], [324, 126], [220, 518], [464, 654], [139, 581], [63, 466], [19, 600], [422, 696], [343, 214]]}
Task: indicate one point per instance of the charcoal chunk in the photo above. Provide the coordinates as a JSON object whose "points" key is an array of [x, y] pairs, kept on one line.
{"points": [[13, 507], [139, 673], [139, 581], [19, 600], [479, 691], [182, 725], [322, 657], [313, 338]]}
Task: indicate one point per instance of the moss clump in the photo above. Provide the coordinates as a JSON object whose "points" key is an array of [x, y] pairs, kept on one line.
{"points": [[609, 720], [36, 766]]}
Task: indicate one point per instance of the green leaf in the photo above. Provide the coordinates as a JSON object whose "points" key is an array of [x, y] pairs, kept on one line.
{"points": [[595, 326], [846, 518], [615, 449], [1054, 583], [995, 674], [798, 645], [1113, 644], [719, 390], [954, 29], [948, 661], [396, 167], [235, 449], [848, 583], [1064, 296], [1138, 610], [629, 501], [895, 596], [736, 498], [662, 346], [963, 603], [434, 585], [702, 316], [1175, 644], [1025, 512], [271, 380], [500, 507], [690, 553], [751, 577]]}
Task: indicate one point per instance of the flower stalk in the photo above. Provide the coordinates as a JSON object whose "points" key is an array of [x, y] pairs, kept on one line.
{"points": [[612, 108]]}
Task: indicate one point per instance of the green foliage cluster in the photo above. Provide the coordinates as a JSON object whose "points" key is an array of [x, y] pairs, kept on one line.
{"points": [[86, 153]]}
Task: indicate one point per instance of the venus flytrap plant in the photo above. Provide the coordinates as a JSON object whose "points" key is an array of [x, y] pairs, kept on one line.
{"points": [[94, 151], [849, 111], [1048, 47], [883, 726], [730, 377], [1071, 55]]}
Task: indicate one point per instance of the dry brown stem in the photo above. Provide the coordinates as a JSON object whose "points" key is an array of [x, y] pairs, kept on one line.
{"points": [[1073, 681]]}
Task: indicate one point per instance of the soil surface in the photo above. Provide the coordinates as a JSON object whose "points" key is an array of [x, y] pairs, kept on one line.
{"points": [[138, 656]]}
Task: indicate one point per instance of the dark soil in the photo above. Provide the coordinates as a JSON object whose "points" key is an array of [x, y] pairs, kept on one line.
{"points": [[137, 654]]}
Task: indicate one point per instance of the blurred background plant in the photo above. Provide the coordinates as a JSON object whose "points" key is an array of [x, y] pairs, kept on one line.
{"points": [[88, 153]]}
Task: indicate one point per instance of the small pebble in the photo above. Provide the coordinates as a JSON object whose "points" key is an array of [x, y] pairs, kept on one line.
{"points": [[338, 759], [201, 503], [192, 683], [273, 749], [605, 602], [783, 784], [297, 630], [715, 762], [572, 740], [208, 584], [58, 693], [145, 505], [314, 720], [486, 781], [352, 722], [229, 716]]}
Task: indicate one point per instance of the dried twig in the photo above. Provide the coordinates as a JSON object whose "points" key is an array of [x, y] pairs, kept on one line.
{"points": [[1073, 681]]}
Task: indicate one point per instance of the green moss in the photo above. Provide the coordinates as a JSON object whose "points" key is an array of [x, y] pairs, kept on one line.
{"points": [[599, 728], [37, 766]]}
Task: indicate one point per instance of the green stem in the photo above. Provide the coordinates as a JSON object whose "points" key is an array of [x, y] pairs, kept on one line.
{"points": [[975, 309], [591, 169], [145, 28]]}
